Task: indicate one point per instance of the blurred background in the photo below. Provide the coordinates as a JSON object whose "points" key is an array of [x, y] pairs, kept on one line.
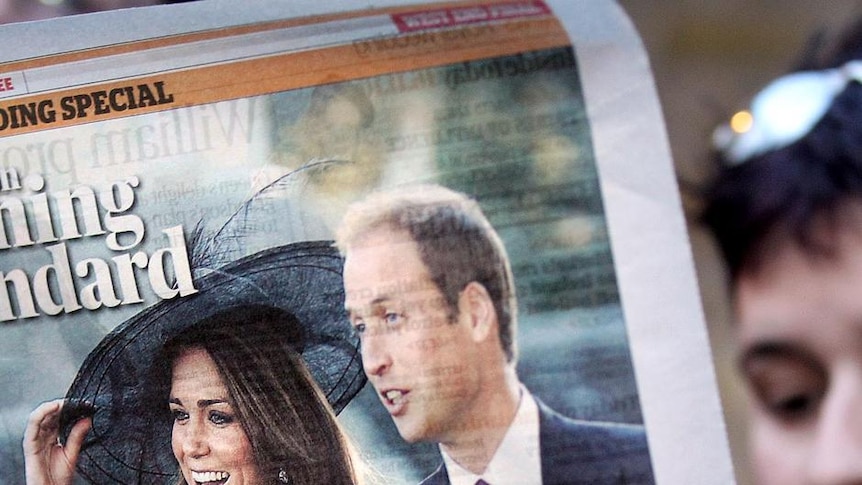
{"points": [[24, 10], [708, 59]]}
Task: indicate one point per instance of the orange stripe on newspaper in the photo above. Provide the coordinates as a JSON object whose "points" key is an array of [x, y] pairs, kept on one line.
{"points": [[452, 17], [96, 103]]}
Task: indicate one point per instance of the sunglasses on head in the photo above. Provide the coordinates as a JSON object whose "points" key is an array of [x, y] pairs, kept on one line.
{"points": [[783, 112]]}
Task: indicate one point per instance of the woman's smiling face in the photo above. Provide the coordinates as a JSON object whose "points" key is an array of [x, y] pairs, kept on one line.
{"points": [[208, 440]]}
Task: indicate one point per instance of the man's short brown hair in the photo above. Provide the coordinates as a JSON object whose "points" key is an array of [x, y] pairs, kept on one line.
{"points": [[456, 243]]}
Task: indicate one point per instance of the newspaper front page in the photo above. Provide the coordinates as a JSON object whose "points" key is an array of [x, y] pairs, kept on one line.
{"points": [[121, 152]]}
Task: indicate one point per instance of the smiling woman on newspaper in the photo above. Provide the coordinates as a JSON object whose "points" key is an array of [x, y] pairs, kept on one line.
{"points": [[219, 387]]}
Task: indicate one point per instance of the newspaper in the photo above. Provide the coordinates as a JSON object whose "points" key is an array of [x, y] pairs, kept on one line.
{"points": [[173, 118]]}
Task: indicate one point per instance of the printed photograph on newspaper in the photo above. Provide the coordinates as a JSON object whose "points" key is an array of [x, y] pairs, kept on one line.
{"points": [[369, 245]]}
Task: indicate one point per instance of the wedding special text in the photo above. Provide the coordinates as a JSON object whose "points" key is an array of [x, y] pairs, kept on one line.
{"points": [[34, 217]]}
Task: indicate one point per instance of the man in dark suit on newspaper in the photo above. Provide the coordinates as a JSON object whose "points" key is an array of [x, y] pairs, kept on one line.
{"points": [[430, 291]]}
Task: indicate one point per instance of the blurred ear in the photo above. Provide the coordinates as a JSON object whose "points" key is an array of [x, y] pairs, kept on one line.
{"points": [[474, 303]]}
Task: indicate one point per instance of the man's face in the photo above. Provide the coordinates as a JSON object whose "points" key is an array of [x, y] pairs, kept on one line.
{"points": [[422, 365], [800, 330]]}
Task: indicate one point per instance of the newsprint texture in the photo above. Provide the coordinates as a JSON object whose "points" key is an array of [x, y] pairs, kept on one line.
{"points": [[143, 151]]}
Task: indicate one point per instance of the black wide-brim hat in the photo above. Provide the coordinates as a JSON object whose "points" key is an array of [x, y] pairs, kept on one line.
{"points": [[129, 442]]}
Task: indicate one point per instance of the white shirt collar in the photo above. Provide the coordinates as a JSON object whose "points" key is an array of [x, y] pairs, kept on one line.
{"points": [[517, 460]]}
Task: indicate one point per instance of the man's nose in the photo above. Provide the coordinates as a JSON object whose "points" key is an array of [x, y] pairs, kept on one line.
{"points": [[837, 455], [376, 358]]}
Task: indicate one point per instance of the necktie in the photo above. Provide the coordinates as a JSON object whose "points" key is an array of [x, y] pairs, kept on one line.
{"points": [[482, 482]]}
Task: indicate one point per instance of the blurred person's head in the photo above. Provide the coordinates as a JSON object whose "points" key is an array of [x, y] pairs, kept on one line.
{"points": [[337, 125], [786, 210]]}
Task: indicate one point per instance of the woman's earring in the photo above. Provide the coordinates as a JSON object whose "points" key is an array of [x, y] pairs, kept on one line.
{"points": [[282, 476]]}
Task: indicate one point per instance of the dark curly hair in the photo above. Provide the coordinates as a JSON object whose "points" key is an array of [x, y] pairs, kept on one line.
{"points": [[789, 194]]}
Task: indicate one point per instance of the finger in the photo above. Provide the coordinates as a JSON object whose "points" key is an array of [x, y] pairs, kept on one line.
{"points": [[76, 439], [42, 425]]}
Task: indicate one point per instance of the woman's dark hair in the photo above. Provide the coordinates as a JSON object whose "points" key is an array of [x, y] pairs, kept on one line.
{"points": [[285, 416], [791, 193]]}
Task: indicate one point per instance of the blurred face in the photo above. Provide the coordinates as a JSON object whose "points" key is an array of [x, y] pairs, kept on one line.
{"points": [[422, 366], [338, 132], [800, 330], [207, 439]]}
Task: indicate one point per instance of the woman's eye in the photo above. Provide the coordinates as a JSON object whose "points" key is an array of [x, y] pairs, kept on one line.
{"points": [[220, 419], [179, 415], [392, 318]]}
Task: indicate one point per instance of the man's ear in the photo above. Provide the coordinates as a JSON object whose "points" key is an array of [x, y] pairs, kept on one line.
{"points": [[475, 303]]}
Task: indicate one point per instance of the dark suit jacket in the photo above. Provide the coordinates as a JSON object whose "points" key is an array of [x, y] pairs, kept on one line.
{"points": [[580, 453]]}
